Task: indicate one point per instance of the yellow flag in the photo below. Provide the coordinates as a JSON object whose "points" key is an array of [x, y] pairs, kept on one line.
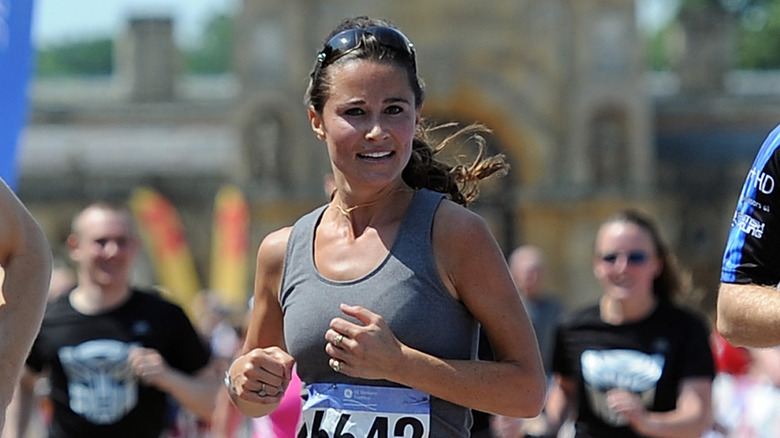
{"points": [[230, 246], [163, 237]]}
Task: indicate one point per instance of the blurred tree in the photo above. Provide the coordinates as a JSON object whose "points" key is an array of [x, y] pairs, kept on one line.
{"points": [[96, 57], [93, 57], [659, 48], [739, 7], [213, 55], [757, 37]]}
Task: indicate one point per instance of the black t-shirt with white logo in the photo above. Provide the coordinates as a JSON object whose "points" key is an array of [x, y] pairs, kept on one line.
{"points": [[649, 357], [93, 391]]}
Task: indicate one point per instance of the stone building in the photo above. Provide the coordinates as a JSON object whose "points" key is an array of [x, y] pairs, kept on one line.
{"points": [[561, 83]]}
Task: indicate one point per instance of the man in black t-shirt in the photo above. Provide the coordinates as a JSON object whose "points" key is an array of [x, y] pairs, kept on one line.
{"points": [[115, 354]]}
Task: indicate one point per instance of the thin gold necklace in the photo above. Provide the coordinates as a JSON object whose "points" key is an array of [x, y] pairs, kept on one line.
{"points": [[348, 210]]}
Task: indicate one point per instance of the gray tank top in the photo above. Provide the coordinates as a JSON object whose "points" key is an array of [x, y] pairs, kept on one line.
{"points": [[405, 289]]}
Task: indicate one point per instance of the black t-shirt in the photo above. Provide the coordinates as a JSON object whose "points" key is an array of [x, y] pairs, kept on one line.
{"points": [[650, 357], [93, 391]]}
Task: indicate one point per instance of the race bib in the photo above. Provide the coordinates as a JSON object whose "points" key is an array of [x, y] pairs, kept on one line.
{"points": [[353, 411]]}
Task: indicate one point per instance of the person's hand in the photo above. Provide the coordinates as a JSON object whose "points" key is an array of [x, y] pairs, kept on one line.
{"points": [[262, 375], [148, 365], [368, 351], [626, 404], [506, 427]]}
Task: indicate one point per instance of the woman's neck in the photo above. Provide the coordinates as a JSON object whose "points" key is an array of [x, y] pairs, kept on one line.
{"points": [[374, 210], [346, 204]]}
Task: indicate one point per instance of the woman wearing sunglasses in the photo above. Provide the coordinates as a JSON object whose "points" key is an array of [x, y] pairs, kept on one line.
{"points": [[377, 297], [636, 364]]}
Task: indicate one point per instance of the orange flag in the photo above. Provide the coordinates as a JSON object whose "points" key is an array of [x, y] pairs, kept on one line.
{"points": [[230, 246], [163, 237]]}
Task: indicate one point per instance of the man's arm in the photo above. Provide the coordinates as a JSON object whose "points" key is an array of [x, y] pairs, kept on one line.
{"points": [[25, 257], [197, 392], [749, 315]]}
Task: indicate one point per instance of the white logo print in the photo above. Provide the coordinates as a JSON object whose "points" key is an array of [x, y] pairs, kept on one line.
{"points": [[748, 225], [763, 181], [627, 369], [101, 386]]}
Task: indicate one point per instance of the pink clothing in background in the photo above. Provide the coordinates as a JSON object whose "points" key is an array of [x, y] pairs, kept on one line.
{"points": [[285, 420]]}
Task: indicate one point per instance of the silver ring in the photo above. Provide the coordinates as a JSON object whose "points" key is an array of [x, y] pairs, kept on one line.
{"points": [[336, 366], [337, 340], [262, 392]]}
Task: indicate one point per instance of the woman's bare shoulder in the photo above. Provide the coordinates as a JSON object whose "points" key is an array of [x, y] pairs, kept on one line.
{"points": [[453, 218], [272, 249], [459, 233]]}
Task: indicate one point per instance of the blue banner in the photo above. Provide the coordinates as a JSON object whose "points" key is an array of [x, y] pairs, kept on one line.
{"points": [[15, 67]]}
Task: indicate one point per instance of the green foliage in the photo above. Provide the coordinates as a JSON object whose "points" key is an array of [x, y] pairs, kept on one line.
{"points": [[213, 55], [758, 35], [737, 7], [657, 48], [94, 57], [758, 46], [692, 5], [759, 41]]}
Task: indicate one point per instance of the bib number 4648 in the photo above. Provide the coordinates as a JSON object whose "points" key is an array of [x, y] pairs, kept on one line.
{"points": [[329, 423]]}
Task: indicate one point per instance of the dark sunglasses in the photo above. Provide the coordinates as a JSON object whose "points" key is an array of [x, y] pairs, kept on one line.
{"points": [[348, 40], [632, 258]]}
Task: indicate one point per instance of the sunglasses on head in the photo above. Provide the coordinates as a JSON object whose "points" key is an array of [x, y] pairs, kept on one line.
{"points": [[348, 40], [632, 258]]}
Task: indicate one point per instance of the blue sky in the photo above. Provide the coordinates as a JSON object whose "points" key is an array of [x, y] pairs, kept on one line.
{"points": [[66, 20], [652, 15]]}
